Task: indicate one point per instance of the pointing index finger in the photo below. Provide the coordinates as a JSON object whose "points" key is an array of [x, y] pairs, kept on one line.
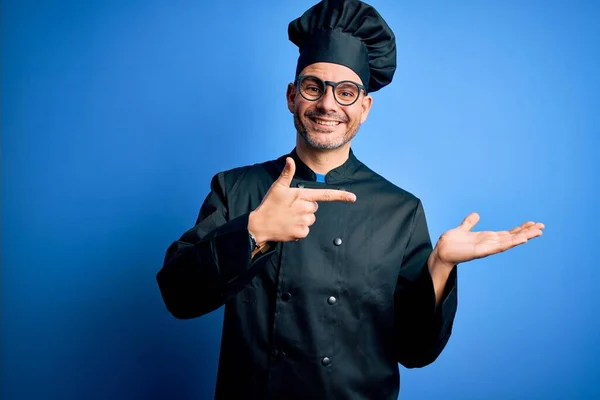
{"points": [[327, 195]]}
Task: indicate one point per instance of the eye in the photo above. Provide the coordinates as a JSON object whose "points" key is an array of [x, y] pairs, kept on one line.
{"points": [[313, 89], [346, 91]]}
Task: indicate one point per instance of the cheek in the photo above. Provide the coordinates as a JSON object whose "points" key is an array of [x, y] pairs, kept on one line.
{"points": [[300, 108], [354, 117]]}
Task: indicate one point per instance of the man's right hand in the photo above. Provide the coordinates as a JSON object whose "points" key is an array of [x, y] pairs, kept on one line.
{"points": [[286, 214]]}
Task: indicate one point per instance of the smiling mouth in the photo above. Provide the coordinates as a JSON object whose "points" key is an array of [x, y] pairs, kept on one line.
{"points": [[324, 122]]}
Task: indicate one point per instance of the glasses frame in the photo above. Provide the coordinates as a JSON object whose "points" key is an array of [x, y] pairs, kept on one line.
{"points": [[333, 85]]}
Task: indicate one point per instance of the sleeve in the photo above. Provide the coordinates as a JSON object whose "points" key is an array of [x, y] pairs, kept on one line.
{"points": [[422, 330], [211, 262]]}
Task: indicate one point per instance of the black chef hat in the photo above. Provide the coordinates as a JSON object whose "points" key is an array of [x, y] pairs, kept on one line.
{"points": [[350, 33]]}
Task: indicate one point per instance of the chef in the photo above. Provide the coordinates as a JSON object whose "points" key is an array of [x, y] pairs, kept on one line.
{"points": [[326, 269]]}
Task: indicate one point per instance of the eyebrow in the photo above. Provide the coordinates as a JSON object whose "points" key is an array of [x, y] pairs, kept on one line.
{"points": [[357, 81]]}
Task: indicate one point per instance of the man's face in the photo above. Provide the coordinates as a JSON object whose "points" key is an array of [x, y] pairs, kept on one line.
{"points": [[325, 124]]}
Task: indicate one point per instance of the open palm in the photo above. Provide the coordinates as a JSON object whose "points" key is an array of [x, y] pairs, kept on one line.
{"points": [[460, 245]]}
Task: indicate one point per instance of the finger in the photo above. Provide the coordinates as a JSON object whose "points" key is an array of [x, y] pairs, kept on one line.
{"points": [[511, 242], [531, 233], [327, 195], [500, 244], [504, 242], [469, 222], [310, 207], [522, 226], [302, 232], [309, 219], [285, 179], [528, 225]]}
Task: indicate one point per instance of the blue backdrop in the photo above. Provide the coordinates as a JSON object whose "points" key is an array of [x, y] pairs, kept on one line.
{"points": [[115, 115]]}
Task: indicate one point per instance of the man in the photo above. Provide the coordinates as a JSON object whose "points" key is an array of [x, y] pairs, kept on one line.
{"points": [[326, 269]]}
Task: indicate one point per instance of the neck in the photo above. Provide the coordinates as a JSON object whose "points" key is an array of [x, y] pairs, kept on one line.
{"points": [[321, 161]]}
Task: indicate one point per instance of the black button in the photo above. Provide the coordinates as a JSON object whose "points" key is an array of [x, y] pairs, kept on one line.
{"points": [[337, 241], [325, 361], [300, 185], [331, 300], [285, 296], [277, 354]]}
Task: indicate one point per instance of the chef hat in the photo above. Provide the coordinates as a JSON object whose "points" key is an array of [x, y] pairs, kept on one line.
{"points": [[350, 33]]}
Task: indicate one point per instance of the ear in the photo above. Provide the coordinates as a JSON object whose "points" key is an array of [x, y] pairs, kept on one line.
{"points": [[366, 104], [291, 97]]}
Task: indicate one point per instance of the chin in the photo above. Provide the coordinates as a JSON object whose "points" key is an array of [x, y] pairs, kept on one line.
{"points": [[318, 141], [323, 139]]}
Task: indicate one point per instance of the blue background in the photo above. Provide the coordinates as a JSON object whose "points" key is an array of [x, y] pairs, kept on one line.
{"points": [[115, 115]]}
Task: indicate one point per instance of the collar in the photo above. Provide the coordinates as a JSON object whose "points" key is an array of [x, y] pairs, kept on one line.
{"points": [[342, 173]]}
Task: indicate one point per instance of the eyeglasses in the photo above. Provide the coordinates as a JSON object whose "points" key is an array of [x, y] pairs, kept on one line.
{"points": [[313, 88]]}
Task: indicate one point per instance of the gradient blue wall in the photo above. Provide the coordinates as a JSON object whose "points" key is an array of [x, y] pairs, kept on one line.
{"points": [[115, 115]]}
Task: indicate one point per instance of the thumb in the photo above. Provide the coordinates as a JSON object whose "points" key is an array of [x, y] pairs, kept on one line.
{"points": [[285, 179], [469, 222]]}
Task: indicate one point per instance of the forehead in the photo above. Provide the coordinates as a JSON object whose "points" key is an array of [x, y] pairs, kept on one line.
{"points": [[331, 72]]}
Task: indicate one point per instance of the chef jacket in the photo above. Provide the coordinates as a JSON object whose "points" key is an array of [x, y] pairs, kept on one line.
{"points": [[326, 317]]}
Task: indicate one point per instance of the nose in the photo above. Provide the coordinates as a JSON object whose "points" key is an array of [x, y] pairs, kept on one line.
{"points": [[327, 101]]}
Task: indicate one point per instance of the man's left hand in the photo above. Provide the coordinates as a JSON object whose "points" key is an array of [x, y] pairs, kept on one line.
{"points": [[460, 245]]}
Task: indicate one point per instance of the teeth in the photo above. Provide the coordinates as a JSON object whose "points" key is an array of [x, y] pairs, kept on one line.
{"points": [[327, 123]]}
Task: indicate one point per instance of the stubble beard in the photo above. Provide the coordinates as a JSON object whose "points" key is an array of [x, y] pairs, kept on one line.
{"points": [[314, 142]]}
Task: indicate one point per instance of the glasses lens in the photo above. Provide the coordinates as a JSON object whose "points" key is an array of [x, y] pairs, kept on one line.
{"points": [[346, 93], [311, 88]]}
